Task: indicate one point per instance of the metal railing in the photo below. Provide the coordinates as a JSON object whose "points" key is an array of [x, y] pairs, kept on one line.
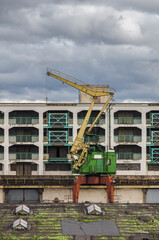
{"points": [[100, 121], [127, 138], [58, 136], [23, 138], [23, 156], [23, 120], [96, 138], [128, 155], [127, 120]]}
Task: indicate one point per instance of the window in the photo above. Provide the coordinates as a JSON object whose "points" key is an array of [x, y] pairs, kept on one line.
{"points": [[57, 167], [13, 167], [34, 167]]}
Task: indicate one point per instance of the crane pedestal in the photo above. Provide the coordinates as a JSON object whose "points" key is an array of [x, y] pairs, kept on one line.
{"points": [[94, 180]]}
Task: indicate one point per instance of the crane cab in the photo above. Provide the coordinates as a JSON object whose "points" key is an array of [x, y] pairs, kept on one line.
{"points": [[99, 163]]}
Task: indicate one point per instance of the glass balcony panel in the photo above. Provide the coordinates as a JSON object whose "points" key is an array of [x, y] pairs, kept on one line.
{"points": [[23, 120], [23, 156], [23, 138], [129, 155], [100, 121], [127, 138], [127, 120]]}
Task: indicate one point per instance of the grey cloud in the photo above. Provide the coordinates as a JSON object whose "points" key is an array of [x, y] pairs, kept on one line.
{"points": [[99, 42]]}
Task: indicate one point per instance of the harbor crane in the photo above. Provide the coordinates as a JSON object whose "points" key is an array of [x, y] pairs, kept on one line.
{"points": [[87, 160]]}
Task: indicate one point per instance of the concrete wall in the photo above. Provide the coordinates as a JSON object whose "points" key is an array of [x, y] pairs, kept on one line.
{"points": [[128, 195], [93, 195], [85, 98], [1, 195], [63, 194]]}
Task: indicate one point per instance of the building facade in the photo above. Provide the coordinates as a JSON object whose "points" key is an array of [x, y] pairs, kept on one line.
{"points": [[35, 139]]}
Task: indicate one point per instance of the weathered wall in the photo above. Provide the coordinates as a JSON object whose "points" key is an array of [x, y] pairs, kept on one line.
{"points": [[93, 195], [63, 194], [128, 195], [1, 195]]}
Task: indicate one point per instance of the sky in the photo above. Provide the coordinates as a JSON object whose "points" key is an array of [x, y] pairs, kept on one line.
{"points": [[104, 42]]}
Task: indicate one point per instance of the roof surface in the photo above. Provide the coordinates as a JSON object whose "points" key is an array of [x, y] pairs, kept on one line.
{"points": [[134, 221]]}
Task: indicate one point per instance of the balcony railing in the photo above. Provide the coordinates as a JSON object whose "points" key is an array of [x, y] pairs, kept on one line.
{"points": [[56, 137], [23, 156], [96, 138], [128, 155], [100, 121], [127, 120], [23, 120], [127, 138], [23, 138]]}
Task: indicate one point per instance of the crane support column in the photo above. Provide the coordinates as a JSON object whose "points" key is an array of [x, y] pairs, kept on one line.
{"points": [[94, 180]]}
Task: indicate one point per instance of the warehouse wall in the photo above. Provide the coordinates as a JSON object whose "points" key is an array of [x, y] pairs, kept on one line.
{"points": [[93, 195], [128, 195], [63, 194], [1, 195]]}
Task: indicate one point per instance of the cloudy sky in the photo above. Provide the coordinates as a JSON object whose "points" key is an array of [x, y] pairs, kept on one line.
{"points": [[111, 42]]}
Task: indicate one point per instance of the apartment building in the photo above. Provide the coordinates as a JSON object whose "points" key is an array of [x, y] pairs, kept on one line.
{"points": [[134, 135], [35, 139]]}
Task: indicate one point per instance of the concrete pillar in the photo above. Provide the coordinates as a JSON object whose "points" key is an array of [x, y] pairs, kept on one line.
{"points": [[6, 143], [75, 125], [41, 147], [143, 146]]}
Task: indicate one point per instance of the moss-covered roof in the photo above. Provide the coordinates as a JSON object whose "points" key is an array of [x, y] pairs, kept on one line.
{"points": [[134, 221]]}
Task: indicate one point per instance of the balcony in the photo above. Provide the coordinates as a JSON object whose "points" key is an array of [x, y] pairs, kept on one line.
{"points": [[155, 138], [128, 156], [23, 156], [23, 138], [127, 120], [128, 138], [58, 138], [23, 120], [95, 138], [58, 120], [100, 121], [55, 159]]}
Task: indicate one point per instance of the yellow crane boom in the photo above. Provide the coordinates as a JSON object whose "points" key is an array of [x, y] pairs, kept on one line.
{"points": [[79, 149]]}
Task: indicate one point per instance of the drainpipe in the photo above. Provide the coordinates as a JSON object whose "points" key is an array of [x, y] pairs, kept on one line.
{"points": [[109, 130]]}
